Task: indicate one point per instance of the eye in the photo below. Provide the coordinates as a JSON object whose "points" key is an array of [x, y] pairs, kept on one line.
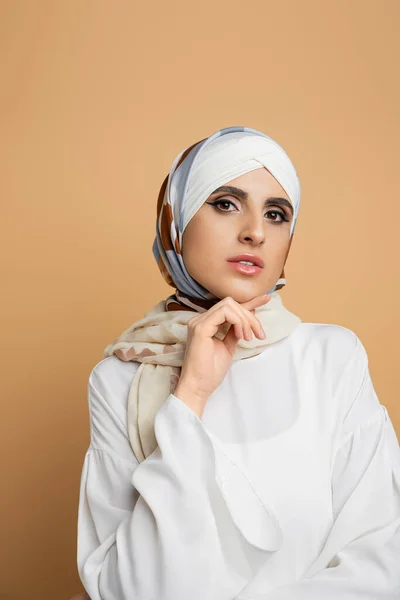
{"points": [[277, 212], [219, 202]]}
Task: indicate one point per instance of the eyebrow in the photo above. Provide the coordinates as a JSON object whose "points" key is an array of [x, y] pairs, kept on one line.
{"points": [[230, 189]]}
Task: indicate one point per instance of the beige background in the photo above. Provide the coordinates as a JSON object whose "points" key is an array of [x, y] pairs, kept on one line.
{"points": [[97, 99]]}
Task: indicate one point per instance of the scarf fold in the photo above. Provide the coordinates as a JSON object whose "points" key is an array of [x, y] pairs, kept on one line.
{"points": [[158, 340]]}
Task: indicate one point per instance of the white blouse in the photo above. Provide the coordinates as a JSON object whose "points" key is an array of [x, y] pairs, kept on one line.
{"points": [[287, 487]]}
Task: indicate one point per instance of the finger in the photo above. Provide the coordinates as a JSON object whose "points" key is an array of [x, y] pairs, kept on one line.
{"points": [[247, 319], [231, 341], [237, 318], [250, 324], [254, 322], [249, 304], [257, 301], [209, 325]]}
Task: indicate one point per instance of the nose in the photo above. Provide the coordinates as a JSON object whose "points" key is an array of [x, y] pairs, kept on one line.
{"points": [[253, 229]]}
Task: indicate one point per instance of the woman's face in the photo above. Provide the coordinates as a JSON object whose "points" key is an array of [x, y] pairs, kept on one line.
{"points": [[254, 218]]}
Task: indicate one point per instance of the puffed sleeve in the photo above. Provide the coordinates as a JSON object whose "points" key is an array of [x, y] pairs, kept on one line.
{"points": [[361, 557], [183, 523]]}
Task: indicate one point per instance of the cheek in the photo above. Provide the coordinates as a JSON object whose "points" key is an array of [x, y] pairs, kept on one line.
{"points": [[276, 250], [203, 247], [201, 233]]}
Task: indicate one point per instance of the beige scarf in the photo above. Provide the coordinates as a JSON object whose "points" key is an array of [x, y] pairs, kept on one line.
{"points": [[158, 342]]}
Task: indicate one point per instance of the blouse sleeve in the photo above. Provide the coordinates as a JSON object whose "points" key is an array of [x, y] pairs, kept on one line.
{"points": [[171, 526], [361, 557]]}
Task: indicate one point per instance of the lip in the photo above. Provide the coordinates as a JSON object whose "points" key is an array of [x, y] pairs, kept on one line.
{"points": [[245, 269], [250, 257]]}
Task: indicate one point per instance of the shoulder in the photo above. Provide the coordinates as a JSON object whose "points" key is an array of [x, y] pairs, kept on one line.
{"points": [[332, 352], [326, 332], [108, 390], [325, 341], [112, 374], [339, 361]]}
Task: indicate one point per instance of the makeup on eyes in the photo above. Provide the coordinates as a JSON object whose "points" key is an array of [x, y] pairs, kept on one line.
{"points": [[227, 201], [244, 196]]}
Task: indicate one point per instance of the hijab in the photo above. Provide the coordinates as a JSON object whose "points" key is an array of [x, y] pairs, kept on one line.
{"points": [[158, 340]]}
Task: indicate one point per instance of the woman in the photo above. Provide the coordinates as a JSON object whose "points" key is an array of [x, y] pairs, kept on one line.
{"points": [[236, 452]]}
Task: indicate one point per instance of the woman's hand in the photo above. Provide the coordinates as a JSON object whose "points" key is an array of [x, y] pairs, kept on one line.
{"points": [[207, 358]]}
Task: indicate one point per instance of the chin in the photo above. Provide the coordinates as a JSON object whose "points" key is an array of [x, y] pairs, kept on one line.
{"points": [[243, 294]]}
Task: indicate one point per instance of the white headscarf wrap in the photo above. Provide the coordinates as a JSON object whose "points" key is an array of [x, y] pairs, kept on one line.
{"points": [[223, 156]]}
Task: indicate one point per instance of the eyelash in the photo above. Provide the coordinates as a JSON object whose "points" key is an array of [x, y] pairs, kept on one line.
{"points": [[222, 201]]}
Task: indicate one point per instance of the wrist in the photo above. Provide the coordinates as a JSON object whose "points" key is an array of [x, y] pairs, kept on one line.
{"points": [[195, 400]]}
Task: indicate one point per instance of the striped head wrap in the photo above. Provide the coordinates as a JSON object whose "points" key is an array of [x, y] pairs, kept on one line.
{"points": [[195, 173]]}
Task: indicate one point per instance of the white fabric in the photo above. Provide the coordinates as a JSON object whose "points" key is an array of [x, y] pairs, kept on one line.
{"points": [[225, 158], [287, 488]]}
